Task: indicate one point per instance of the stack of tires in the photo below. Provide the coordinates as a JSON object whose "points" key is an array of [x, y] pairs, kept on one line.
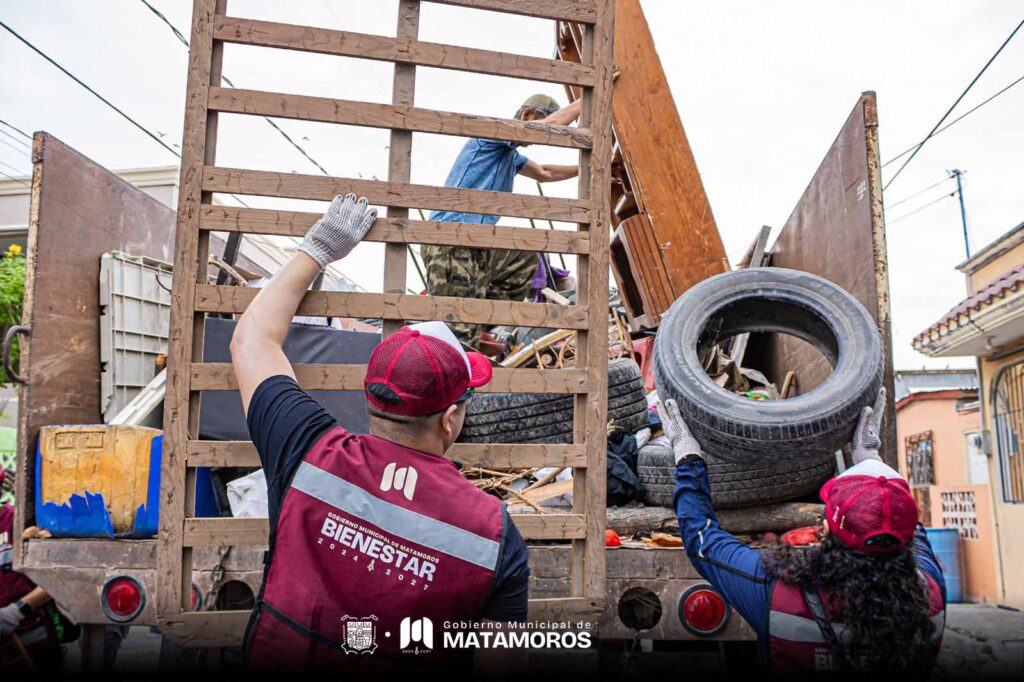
{"points": [[547, 418], [759, 452]]}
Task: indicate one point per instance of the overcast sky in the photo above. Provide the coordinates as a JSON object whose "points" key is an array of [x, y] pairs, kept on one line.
{"points": [[762, 88]]}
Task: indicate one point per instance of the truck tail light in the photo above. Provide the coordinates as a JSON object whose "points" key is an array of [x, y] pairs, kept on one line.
{"points": [[703, 611], [122, 598]]}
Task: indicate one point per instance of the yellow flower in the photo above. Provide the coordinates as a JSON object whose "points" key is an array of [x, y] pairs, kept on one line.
{"points": [[14, 250]]}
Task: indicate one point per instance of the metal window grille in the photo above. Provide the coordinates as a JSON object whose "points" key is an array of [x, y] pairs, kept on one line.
{"points": [[1008, 419], [920, 462]]}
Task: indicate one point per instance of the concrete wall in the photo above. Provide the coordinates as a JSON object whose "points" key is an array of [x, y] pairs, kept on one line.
{"points": [[920, 413]]}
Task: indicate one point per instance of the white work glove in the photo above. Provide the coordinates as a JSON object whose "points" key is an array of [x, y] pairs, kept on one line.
{"points": [[683, 442], [344, 225], [10, 619], [867, 436]]}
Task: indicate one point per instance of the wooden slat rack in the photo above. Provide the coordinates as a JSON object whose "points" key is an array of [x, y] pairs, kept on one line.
{"points": [[193, 297]]}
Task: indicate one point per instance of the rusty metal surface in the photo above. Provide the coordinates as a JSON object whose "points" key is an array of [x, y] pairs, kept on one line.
{"points": [[667, 573], [837, 231], [78, 211]]}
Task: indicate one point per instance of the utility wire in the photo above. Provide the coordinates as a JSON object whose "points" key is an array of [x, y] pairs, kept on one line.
{"points": [[954, 121], [20, 150], [84, 85], [950, 110], [919, 193], [11, 177], [20, 141], [921, 208], [16, 129]]}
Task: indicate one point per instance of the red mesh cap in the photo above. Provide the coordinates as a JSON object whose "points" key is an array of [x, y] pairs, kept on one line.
{"points": [[422, 370], [869, 508]]}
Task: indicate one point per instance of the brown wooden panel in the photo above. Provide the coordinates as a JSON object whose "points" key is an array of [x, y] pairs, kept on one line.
{"points": [[836, 231], [397, 117], [78, 211], [398, 230], [223, 299], [319, 187], [554, 527], [220, 376], [399, 50], [242, 453], [581, 11], [206, 629]]}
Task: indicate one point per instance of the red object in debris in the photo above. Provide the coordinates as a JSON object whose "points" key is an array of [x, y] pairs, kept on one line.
{"points": [[645, 349], [799, 537], [612, 539]]}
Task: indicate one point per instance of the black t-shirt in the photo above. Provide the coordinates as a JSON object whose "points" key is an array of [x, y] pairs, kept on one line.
{"points": [[284, 423]]}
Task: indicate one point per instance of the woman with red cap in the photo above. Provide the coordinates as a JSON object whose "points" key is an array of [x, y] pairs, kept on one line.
{"points": [[869, 598]]}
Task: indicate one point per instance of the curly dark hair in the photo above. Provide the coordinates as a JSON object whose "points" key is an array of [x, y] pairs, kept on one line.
{"points": [[880, 597]]}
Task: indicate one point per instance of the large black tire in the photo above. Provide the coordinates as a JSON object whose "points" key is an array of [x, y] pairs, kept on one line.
{"points": [[547, 418], [809, 307], [733, 484]]}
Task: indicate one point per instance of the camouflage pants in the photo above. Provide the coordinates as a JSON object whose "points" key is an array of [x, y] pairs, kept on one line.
{"points": [[478, 273]]}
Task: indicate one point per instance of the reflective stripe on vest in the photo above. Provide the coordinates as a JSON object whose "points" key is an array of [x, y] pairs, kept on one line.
{"points": [[436, 535], [798, 629]]}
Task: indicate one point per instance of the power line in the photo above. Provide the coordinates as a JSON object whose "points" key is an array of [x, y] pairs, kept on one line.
{"points": [[920, 208], [953, 122], [20, 141], [93, 92], [11, 177], [15, 128], [20, 150], [918, 193], [950, 110]]}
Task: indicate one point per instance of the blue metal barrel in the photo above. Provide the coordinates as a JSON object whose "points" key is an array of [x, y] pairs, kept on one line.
{"points": [[946, 545]]}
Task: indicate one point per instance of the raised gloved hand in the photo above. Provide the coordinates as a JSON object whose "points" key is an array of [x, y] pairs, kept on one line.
{"points": [[10, 618], [867, 436], [344, 225], [683, 442]]}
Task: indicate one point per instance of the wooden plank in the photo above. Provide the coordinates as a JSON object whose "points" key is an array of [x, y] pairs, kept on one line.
{"points": [[195, 152], [398, 230], [206, 629], [220, 376], [323, 188], [213, 532], [210, 298], [564, 609], [396, 117], [580, 11], [553, 527], [592, 350], [501, 456], [398, 50]]}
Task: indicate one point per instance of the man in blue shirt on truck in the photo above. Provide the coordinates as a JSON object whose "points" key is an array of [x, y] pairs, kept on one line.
{"points": [[492, 165], [870, 598]]}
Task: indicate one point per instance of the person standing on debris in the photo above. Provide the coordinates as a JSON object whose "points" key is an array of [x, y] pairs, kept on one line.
{"points": [[26, 610], [492, 165], [870, 598], [376, 540]]}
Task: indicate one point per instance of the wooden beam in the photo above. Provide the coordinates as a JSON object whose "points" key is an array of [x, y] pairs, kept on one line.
{"points": [[210, 298], [500, 456], [323, 188], [398, 230], [580, 11], [395, 117], [564, 609], [206, 629], [398, 50], [220, 376], [553, 527]]}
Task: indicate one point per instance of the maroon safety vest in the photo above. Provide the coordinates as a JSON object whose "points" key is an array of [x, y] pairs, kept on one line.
{"points": [[377, 545], [37, 632], [798, 648]]}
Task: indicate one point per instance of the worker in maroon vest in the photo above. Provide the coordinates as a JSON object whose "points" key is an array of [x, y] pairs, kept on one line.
{"points": [[377, 540], [869, 598], [26, 610]]}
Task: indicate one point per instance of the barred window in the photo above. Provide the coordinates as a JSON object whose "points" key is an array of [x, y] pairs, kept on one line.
{"points": [[1008, 419], [920, 463]]}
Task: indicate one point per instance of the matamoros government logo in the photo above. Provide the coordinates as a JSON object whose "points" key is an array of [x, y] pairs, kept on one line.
{"points": [[418, 632], [360, 634]]}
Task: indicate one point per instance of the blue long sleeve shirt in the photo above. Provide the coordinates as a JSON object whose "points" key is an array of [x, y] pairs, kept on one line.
{"points": [[736, 570]]}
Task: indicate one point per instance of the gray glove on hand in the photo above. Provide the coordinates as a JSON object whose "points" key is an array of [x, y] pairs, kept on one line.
{"points": [[10, 619], [344, 225], [867, 436], [683, 442]]}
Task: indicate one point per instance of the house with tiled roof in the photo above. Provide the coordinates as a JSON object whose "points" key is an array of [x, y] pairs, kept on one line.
{"points": [[989, 325]]}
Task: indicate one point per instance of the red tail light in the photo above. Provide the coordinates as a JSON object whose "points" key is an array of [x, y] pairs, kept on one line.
{"points": [[703, 611], [122, 598]]}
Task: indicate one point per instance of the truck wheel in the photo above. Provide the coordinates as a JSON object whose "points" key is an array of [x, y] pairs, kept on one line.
{"points": [[732, 484], [734, 428], [547, 418]]}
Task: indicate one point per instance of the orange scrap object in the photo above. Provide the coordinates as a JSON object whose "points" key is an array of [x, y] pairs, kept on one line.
{"points": [[798, 537], [612, 539]]}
